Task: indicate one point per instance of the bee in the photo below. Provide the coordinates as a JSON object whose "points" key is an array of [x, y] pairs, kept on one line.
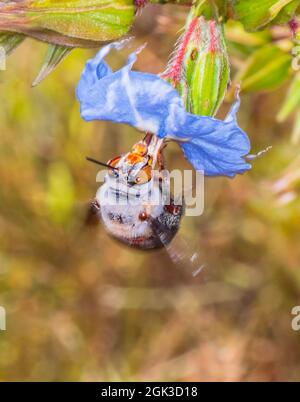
{"points": [[131, 202]]}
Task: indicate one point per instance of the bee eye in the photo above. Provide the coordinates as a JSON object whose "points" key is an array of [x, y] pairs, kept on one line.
{"points": [[144, 175], [113, 162]]}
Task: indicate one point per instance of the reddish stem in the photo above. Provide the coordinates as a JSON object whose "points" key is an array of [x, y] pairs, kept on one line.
{"points": [[294, 25], [140, 3]]}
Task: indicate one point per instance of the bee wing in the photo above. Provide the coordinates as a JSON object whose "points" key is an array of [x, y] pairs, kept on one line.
{"points": [[184, 255], [180, 251]]}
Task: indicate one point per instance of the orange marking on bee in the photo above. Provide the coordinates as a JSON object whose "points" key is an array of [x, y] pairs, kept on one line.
{"points": [[140, 148], [133, 158]]}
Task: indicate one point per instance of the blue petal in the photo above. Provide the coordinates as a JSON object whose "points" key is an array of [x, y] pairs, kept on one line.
{"points": [[220, 149], [148, 103]]}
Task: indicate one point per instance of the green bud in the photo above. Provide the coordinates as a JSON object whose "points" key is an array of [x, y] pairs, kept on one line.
{"points": [[200, 67], [73, 23], [64, 24]]}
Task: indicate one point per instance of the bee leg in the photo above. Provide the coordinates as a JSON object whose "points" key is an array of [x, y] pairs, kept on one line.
{"points": [[147, 139], [162, 235], [93, 213], [165, 227], [161, 159]]}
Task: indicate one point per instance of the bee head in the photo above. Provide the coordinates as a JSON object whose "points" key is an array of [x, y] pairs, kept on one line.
{"points": [[135, 167]]}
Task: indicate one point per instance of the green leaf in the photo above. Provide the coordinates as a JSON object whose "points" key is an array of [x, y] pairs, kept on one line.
{"points": [[292, 101], [54, 56], [287, 12], [243, 43], [235, 33], [256, 14], [266, 69]]}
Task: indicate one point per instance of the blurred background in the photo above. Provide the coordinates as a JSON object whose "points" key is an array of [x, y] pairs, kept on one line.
{"points": [[81, 306]]}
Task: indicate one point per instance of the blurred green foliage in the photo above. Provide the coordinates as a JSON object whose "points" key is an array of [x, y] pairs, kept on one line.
{"points": [[266, 68], [80, 306], [256, 14]]}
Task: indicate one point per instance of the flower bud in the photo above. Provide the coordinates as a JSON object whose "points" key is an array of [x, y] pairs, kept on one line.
{"points": [[199, 69], [77, 23], [64, 24]]}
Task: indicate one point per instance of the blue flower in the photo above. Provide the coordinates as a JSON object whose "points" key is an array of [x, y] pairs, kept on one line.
{"points": [[150, 104]]}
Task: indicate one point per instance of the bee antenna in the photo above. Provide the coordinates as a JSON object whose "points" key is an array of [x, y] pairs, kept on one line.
{"points": [[100, 163]]}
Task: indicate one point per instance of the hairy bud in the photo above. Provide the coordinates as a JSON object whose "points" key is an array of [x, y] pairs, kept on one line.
{"points": [[199, 69], [77, 23]]}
